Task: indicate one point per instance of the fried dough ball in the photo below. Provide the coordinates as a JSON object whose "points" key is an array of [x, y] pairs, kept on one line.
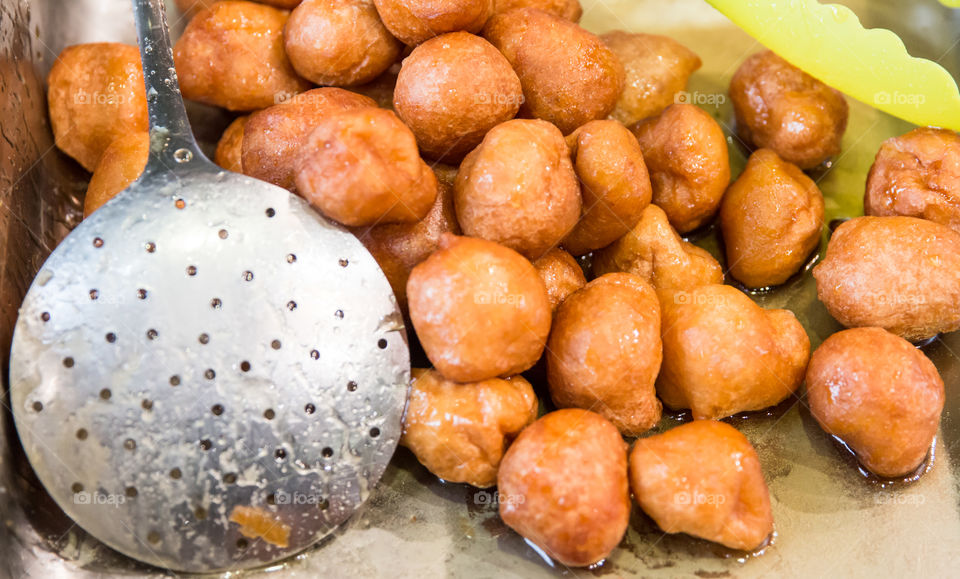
{"points": [[479, 309], [460, 431], [780, 107], [191, 6], [568, 75], [686, 155], [917, 175], [901, 274], [724, 354], [654, 251], [231, 55], [273, 136], [121, 164], [771, 218], [703, 478], [415, 21], [879, 395], [563, 486], [229, 153], [95, 95], [561, 274], [604, 352], [452, 89], [566, 9], [614, 184], [518, 188], [398, 247], [656, 69], [362, 167], [339, 42]]}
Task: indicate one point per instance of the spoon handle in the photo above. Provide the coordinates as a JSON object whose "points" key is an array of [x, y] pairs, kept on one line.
{"points": [[172, 145]]}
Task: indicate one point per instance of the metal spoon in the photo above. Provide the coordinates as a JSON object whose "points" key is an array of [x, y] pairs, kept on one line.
{"points": [[206, 375]]}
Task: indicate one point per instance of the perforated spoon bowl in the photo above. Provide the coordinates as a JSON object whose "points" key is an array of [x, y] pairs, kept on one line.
{"points": [[205, 374]]}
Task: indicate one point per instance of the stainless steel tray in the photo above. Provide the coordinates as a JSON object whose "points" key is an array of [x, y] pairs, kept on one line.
{"points": [[830, 519]]}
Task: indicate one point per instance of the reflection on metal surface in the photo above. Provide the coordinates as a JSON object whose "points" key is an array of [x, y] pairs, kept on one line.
{"points": [[830, 519]]}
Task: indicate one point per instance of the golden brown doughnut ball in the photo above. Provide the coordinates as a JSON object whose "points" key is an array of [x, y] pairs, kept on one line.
{"points": [[460, 431], [654, 251], [703, 478], [414, 21], [566, 9], [229, 153], [917, 175], [479, 309], [362, 167], [686, 155], [95, 95], [398, 247], [339, 42], [561, 274], [614, 184], [231, 55], [452, 89], [771, 218], [518, 188], [879, 395], [191, 6], [604, 352], [901, 274], [273, 136], [780, 107], [656, 70], [724, 354], [568, 75], [121, 164], [563, 486]]}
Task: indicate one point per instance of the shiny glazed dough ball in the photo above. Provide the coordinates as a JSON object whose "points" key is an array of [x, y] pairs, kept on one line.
{"points": [[917, 175], [780, 107], [561, 274], [229, 153], [273, 136], [703, 478], [362, 167], [656, 72], [901, 274], [452, 89], [563, 486], [723, 354], [339, 42], [654, 251], [231, 55], [479, 309], [686, 155], [415, 21], [518, 188], [771, 218], [95, 95], [398, 247], [878, 394], [566, 9], [604, 352], [460, 431], [121, 165], [614, 184], [568, 75]]}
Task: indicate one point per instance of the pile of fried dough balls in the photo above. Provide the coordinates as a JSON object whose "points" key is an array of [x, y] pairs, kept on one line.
{"points": [[480, 148]]}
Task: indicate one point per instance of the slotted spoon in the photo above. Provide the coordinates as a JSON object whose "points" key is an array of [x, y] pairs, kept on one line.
{"points": [[205, 374]]}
